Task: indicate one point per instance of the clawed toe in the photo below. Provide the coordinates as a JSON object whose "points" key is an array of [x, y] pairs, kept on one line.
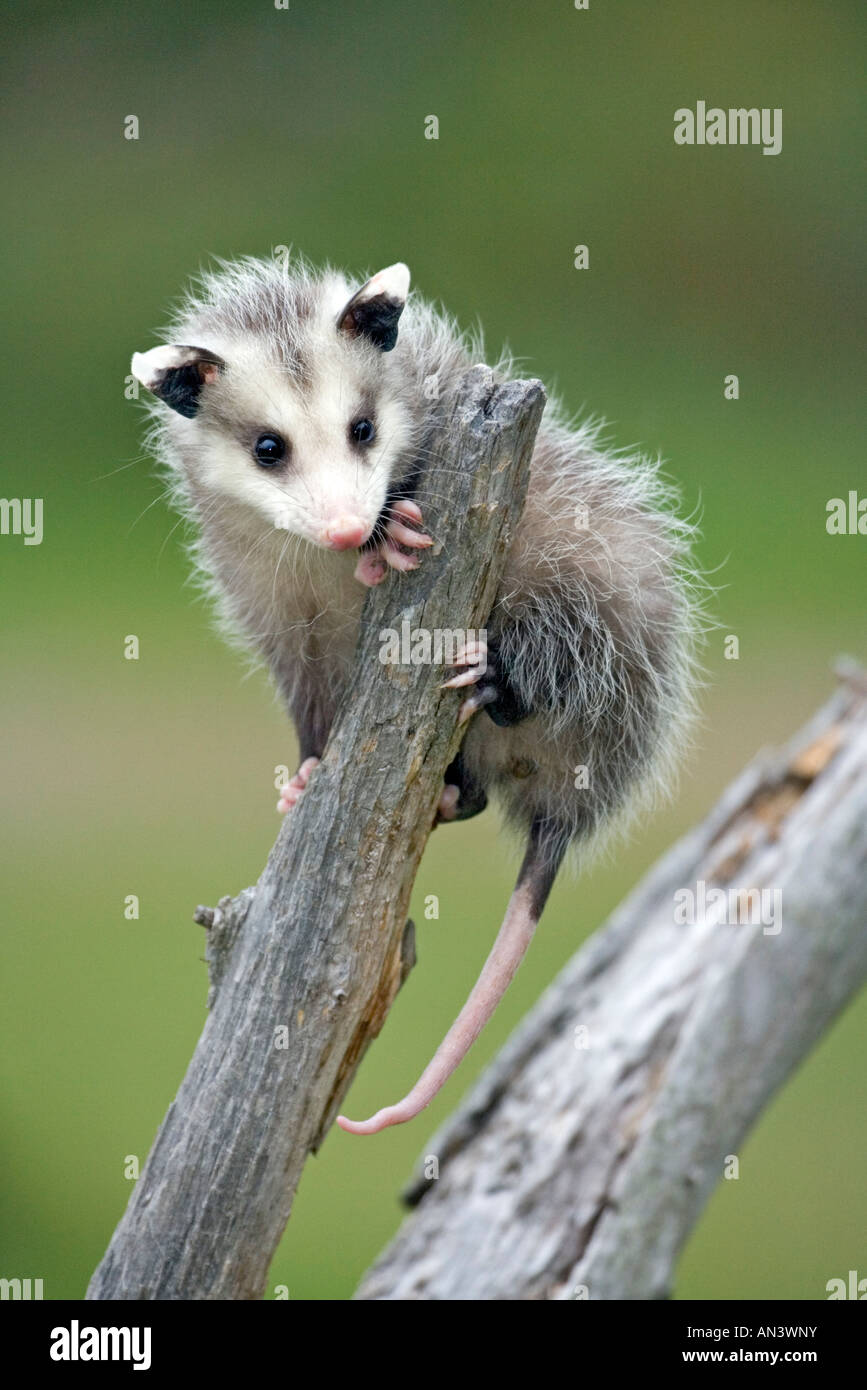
{"points": [[405, 535], [483, 695], [397, 549], [398, 559], [473, 657], [401, 537]]}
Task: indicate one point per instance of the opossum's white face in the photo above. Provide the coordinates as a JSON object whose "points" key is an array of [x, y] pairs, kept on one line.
{"points": [[312, 441]]}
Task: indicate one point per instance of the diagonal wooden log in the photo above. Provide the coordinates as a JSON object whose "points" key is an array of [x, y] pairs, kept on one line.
{"points": [[319, 947], [579, 1163]]}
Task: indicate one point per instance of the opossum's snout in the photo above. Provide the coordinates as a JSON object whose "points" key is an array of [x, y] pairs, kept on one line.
{"points": [[346, 533], [341, 525]]}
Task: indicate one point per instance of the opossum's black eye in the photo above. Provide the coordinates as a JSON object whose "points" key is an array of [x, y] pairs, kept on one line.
{"points": [[363, 431], [270, 450]]}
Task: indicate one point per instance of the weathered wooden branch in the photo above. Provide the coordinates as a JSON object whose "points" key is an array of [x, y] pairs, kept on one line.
{"points": [[579, 1163], [320, 946]]}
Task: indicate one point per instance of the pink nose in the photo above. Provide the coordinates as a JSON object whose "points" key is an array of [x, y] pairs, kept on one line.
{"points": [[345, 532]]}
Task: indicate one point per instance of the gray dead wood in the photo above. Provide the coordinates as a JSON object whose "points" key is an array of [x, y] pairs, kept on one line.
{"points": [[580, 1162], [321, 945]]}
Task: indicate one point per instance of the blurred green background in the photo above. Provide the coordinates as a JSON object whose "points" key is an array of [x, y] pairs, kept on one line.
{"points": [[259, 127]]}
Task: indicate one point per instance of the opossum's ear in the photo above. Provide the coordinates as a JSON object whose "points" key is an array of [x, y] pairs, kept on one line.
{"points": [[176, 374], [373, 311]]}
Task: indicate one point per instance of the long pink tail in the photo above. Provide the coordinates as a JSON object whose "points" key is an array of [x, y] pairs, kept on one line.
{"points": [[508, 951]]}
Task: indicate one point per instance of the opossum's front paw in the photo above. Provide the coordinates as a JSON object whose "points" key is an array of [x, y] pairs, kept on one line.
{"points": [[294, 789], [395, 550]]}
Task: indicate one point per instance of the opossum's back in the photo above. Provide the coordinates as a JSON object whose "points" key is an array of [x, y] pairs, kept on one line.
{"points": [[594, 629]]}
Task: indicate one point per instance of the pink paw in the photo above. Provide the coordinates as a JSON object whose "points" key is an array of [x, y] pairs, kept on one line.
{"points": [[447, 808], [294, 789], [391, 553]]}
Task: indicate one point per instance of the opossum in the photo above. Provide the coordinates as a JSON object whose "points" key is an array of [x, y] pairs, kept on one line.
{"points": [[289, 407]]}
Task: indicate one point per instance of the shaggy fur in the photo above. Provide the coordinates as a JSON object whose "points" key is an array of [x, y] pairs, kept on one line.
{"points": [[594, 628]]}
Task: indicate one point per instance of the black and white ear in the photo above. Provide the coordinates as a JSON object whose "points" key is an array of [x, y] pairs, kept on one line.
{"points": [[176, 374], [373, 311]]}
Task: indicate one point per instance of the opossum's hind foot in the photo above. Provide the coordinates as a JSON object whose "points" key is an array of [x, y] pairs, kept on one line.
{"points": [[447, 807], [482, 696], [394, 551], [479, 665], [470, 664], [461, 797], [473, 667], [294, 789]]}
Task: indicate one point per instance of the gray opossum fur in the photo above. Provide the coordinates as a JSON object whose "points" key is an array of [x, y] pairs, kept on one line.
{"points": [[596, 627]]}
